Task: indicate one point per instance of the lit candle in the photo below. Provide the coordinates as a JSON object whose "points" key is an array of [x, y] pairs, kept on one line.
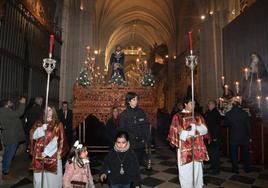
{"points": [[259, 101], [191, 42], [51, 43], [266, 101], [237, 87], [246, 73], [238, 99], [226, 89], [220, 101], [259, 84], [222, 80]]}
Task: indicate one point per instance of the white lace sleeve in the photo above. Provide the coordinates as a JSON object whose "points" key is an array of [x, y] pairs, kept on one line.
{"points": [[202, 129], [38, 133], [183, 135]]}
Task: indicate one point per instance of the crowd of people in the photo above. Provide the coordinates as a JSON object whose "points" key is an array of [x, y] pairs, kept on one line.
{"points": [[50, 142]]}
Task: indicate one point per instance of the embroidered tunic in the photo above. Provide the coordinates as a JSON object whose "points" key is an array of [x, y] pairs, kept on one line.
{"points": [[178, 137], [51, 143]]}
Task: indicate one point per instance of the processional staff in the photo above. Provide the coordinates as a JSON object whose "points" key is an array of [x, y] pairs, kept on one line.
{"points": [[191, 62], [49, 65]]}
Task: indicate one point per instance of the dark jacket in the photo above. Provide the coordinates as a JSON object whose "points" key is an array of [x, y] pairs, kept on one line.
{"points": [[111, 167], [12, 125], [111, 130], [135, 122], [67, 124], [238, 122], [213, 121], [34, 114]]}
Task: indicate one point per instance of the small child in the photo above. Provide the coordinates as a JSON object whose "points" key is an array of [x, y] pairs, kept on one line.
{"points": [[77, 168], [121, 166]]}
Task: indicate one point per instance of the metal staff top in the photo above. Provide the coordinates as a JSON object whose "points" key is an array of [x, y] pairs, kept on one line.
{"points": [[49, 65], [191, 62]]}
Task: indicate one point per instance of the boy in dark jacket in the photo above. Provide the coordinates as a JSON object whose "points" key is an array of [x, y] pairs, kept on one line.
{"points": [[133, 120]]}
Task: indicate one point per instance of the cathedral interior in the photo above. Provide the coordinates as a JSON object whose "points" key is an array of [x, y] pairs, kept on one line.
{"points": [[157, 37]]}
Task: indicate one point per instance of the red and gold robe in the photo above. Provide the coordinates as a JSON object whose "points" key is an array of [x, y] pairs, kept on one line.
{"points": [[54, 128], [180, 122]]}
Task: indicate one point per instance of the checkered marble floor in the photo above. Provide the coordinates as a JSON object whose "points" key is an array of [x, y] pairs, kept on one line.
{"points": [[164, 173]]}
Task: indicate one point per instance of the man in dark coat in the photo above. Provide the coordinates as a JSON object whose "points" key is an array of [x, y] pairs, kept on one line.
{"points": [[134, 121], [240, 135], [213, 121], [12, 133], [66, 117], [31, 116]]}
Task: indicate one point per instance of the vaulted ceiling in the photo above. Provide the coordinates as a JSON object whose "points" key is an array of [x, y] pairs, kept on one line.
{"points": [[134, 23]]}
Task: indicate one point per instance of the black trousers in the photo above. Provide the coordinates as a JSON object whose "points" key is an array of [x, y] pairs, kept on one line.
{"points": [[214, 156], [245, 155], [140, 153]]}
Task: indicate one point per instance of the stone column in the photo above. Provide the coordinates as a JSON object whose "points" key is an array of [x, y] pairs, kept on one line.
{"points": [[77, 33], [211, 56]]}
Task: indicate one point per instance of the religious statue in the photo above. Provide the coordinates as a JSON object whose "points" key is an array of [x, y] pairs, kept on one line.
{"points": [[256, 76], [117, 61]]}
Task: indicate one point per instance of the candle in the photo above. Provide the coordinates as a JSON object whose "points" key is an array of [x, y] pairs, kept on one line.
{"points": [[226, 89], [259, 101], [246, 73], [191, 42], [238, 99], [51, 42], [237, 87], [259, 84], [266, 102], [222, 80], [220, 101]]}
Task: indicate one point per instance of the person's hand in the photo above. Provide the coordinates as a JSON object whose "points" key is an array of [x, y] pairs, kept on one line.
{"points": [[45, 126], [103, 177], [191, 133], [23, 100], [44, 155]]}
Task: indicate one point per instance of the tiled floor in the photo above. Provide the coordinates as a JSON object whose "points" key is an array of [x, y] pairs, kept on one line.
{"points": [[163, 175]]}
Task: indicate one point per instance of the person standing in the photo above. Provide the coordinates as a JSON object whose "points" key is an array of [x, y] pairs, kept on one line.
{"points": [[77, 168], [12, 133], [112, 125], [46, 146], [31, 116], [240, 135], [134, 121], [117, 61], [66, 117], [213, 121], [183, 131], [120, 166]]}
